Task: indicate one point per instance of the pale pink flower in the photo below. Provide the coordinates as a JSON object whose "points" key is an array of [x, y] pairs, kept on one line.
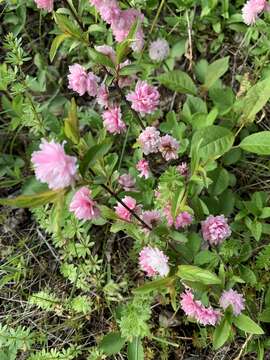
{"points": [[143, 166], [127, 182], [83, 206], [53, 166], [122, 26], [149, 140], [124, 213], [144, 99], [183, 169], [103, 96], [183, 220], [108, 10], [45, 4], [159, 50], [233, 298], [195, 309], [108, 51], [112, 120], [151, 217], [215, 229], [169, 147], [154, 262], [81, 81], [252, 9]]}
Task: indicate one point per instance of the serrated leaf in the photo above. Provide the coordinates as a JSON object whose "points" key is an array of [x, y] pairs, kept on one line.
{"points": [[93, 154], [178, 81], [258, 143], [101, 59]]}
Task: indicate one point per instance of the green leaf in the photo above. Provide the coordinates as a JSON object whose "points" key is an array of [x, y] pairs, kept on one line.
{"points": [[195, 273], [221, 333], [245, 323], [29, 201], [178, 81], [101, 59], [69, 28], [93, 154], [265, 316], [122, 49], [112, 343], [135, 350], [253, 102], [258, 143], [215, 71], [71, 125], [215, 141], [57, 41], [155, 285]]}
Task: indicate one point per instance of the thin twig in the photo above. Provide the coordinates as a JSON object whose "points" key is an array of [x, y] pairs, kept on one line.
{"points": [[238, 357]]}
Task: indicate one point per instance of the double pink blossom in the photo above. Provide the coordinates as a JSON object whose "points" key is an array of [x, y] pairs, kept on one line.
{"points": [[151, 217], [154, 262], [124, 213], [149, 140], [112, 120], [169, 147], [215, 229], [83, 206], [45, 4], [252, 10], [82, 81], [195, 309], [144, 99], [103, 96], [143, 167], [53, 166], [234, 299]]}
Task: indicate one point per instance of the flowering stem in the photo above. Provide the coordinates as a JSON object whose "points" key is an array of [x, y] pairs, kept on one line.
{"points": [[74, 14], [111, 192]]}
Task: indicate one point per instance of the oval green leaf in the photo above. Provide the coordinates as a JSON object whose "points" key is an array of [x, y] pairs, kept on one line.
{"points": [[197, 274], [245, 323], [258, 143], [178, 81]]}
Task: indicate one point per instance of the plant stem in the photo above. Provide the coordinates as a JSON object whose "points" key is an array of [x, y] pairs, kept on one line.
{"points": [[75, 15], [112, 193]]}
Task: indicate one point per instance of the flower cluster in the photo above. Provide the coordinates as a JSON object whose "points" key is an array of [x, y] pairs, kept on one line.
{"points": [[252, 9], [120, 21], [150, 142], [208, 315], [195, 309], [182, 220], [82, 81]]}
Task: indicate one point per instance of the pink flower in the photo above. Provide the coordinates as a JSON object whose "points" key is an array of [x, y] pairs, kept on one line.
{"points": [[233, 298], [143, 166], [159, 50], [112, 120], [126, 80], [53, 166], [151, 218], [83, 206], [252, 9], [153, 262], [124, 213], [149, 140], [168, 147], [215, 229], [168, 214], [108, 51], [127, 182], [196, 310], [45, 4], [103, 96], [145, 98], [81, 81], [183, 220], [108, 9], [122, 26], [183, 169]]}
